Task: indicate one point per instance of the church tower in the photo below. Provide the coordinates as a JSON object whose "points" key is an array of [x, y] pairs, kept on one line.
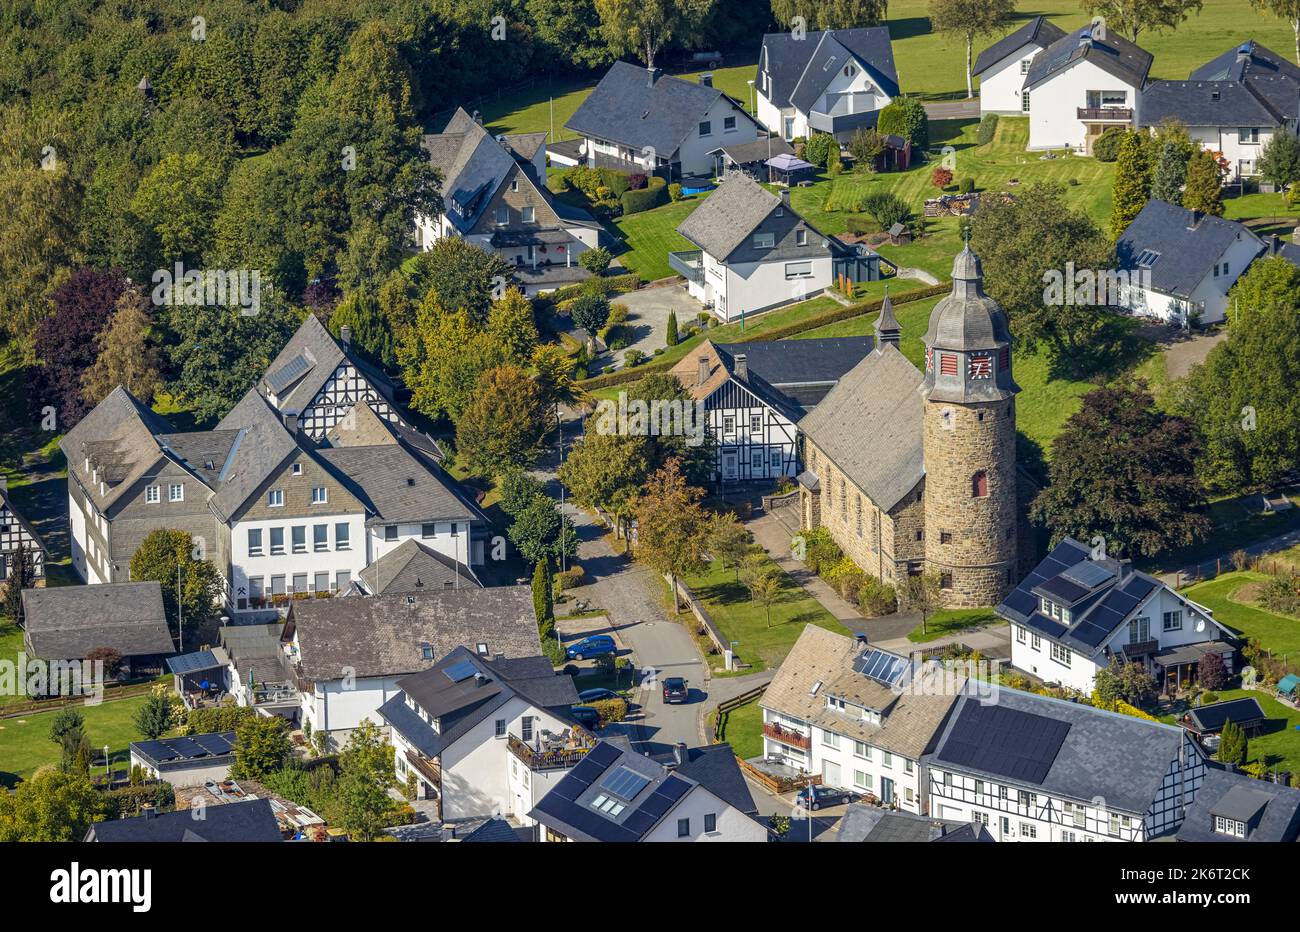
{"points": [[969, 441]]}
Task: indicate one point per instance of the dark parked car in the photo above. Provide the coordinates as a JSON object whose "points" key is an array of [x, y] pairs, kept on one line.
{"points": [[676, 690], [585, 716], [815, 797], [593, 646], [596, 695]]}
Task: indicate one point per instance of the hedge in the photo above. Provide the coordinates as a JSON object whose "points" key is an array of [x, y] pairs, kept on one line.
{"points": [[652, 195], [812, 322]]}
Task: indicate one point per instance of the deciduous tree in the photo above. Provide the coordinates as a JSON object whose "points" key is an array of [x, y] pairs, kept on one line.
{"points": [[830, 14], [128, 355], [1130, 17], [670, 525], [261, 747], [968, 20], [503, 424], [1288, 10], [1280, 160], [643, 27], [174, 558], [51, 806]]}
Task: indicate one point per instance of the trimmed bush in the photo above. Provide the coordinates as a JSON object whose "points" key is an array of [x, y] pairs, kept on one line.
{"points": [[570, 578], [654, 194], [967, 186], [886, 207], [675, 192], [595, 261], [819, 148], [988, 129], [610, 710], [1106, 147], [876, 598], [906, 117]]}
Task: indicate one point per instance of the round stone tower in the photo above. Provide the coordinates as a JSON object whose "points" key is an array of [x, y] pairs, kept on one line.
{"points": [[969, 439]]}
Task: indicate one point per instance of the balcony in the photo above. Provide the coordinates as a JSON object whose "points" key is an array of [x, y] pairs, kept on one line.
{"points": [[553, 755], [425, 767], [1106, 114], [840, 120], [690, 265], [788, 736]]}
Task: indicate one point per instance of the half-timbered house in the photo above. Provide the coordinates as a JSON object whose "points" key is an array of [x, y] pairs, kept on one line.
{"points": [[1034, 768], [15, 533], [755, 393]]}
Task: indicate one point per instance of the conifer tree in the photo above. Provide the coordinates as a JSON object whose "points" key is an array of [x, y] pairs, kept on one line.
{"points": [[1170, 174], [1132, 187], [1204, 190]]}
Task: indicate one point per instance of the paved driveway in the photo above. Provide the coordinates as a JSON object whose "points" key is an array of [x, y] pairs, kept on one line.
{"points": [[648, 310]]}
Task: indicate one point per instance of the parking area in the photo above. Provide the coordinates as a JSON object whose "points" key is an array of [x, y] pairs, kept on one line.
{"points": [[648, 310]]}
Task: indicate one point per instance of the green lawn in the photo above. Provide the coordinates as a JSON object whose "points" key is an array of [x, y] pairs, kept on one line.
{"points": [[1235, 522], [25, 742], [745, 730], [650, 235], [11, 642], [745, 621], [953, 621], [1278, 748], [1276, 633]]}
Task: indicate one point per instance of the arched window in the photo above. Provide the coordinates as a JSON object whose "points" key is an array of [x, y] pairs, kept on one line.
{"points": [[979, 484]]}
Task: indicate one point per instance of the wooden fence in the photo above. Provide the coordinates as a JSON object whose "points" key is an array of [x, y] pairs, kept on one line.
{"points": [[111, 692], [720, 643]]}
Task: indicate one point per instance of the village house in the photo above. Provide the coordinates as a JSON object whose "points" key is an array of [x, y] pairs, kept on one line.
{"points": [[1232, 807], [191, 760], [68, 623], [251, 821], [15, 533], [866, 823], [1002, 67], [834, 82]]}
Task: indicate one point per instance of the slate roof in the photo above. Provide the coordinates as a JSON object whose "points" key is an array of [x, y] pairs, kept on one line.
{"points": [[472, 165], [715, 768], [796, 64], [307, 361], [493, 830], [1186, 256], [396, 486], [568, 808], [383, 635], [911, 718], [862, 822], [1270, 76], [364, 428], [1038, 31], [759, 150], [1234, 795], [118, 436], [1067, 749], [626, 108], [263, 445], [460, 705], [7, 503], [67, 622], [729, 215], [1245, 712], [252, 820], [1206, 103], [1115, 55], [413, 567], [1276, 246], [869, 425]]}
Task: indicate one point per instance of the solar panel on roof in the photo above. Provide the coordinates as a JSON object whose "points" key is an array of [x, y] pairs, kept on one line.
{"points": [[286, 374], [641, 821], [604, 754], [460, 671], [625, 783], [883, 668], [1088, 574], [1005, 741]]}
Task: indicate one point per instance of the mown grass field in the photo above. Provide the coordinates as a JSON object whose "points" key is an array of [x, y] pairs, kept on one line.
{"points": [[1277, 633], [25, 742]]}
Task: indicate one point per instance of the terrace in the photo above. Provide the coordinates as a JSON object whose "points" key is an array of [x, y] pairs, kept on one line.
{"points": [[553, 752], [689, 264]]}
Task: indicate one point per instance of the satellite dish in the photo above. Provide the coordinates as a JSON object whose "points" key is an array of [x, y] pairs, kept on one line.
{"points": [[1200, 625]]}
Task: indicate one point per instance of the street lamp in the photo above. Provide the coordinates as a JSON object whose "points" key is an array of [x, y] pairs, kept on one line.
{"points": [[752, 108]]}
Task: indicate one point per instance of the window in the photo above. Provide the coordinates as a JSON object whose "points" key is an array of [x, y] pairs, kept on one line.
{"points": [[1036, 642], [277, 585], [801, 237], [1248, 135], [318, 495], [710, 818], [979, 485], [254, 542], [756, 459], [342, 579], [795, 269], [501, 728], [1062, 655], [503, 216], [706, 128], [176, 492], [1139, 630], [1024, 65], [428, 530], [526, 728], [341, 537], [857, 520], [729, 424], [775, 460], [729, 124], [1020, 635], [908, 765], [299, 537], [945, 580], [1028, 830], [275, 498], [321, 583], [683, 828], [830, 739], [152, 495], [299, 582], [277, 541], [1147, 258], [764, 241], [945, 537], [255, 593], [1024, 102], [862, 749], [756, 423], [850, 70], [862, 780], [886, 760], [1173, 621], [320, 537], [296, 469], [390, 532], [1118, 823], [529, 214], [1229, 827]]}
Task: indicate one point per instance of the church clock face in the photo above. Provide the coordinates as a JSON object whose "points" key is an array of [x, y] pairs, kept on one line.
{"points": [[981, 366]]}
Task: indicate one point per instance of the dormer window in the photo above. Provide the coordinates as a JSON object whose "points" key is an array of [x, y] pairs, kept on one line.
{"points": [[1226, 826]]}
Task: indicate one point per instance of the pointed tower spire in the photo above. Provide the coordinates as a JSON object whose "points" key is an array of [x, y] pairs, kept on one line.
{"points": [[887, 328]]}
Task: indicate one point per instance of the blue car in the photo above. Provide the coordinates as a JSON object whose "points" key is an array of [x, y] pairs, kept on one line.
{"points": [[593, 646]]}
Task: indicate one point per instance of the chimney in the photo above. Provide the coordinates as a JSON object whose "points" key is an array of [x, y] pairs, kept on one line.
{"points": [[785, 196], [704, 364], [345, 335], [148, 811], [679, 753], [742, 367], [1085, 39], [651, 76], [477, 117], [706, 79], [1243, 52], [291, 420], [1195, 220]]}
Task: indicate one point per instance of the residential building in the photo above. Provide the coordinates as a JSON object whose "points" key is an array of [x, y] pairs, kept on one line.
{"points": [[1033, 768], [859, 717], [641, 120], [862, 822], [1002, 67], [192, 760], [825, 82], [16, 532], [1233, 105], [755, 393], [68, 622], [347, 655], [494, 196], [618, 795], [911, 471], [413, 567], [253, 820], [257, 672], [1074, 615], [1209, 720], [754, 252], [1232, 807], [484, 735], [1081, 85], [1182, 263]]}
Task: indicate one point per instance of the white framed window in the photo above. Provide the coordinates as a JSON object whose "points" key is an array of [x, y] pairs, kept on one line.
{"points": [[319, 495], [254, 542], [152, 494], [706, 128], [1028, 830], [1173, 621], [341, 532], [1248, 135], [862, 749], [176, 492], [862, 780], [320, 537], [275, 498], [1232, 827], [1139, 630], [756, 423], [277, 541], [831, 739], [801, 237], [1024, 102], [1036, 642], [502, 216], [1062, 655], [296, 469], [1024, 65], [529, 214], [298, 534], [798, 270], [887, 760], [1020, 635]]}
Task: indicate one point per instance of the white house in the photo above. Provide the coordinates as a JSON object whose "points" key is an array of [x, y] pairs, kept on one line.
{"points": [[753, 251], [1233, 106], [482, 736], [1001, 68], [1081, 85], [641, 120], [347, 655], [1183, 263], [828, 82], [494, 194], [1073, 616], [860, 717], [616, 794], [755, 393], [1033, 768]]}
